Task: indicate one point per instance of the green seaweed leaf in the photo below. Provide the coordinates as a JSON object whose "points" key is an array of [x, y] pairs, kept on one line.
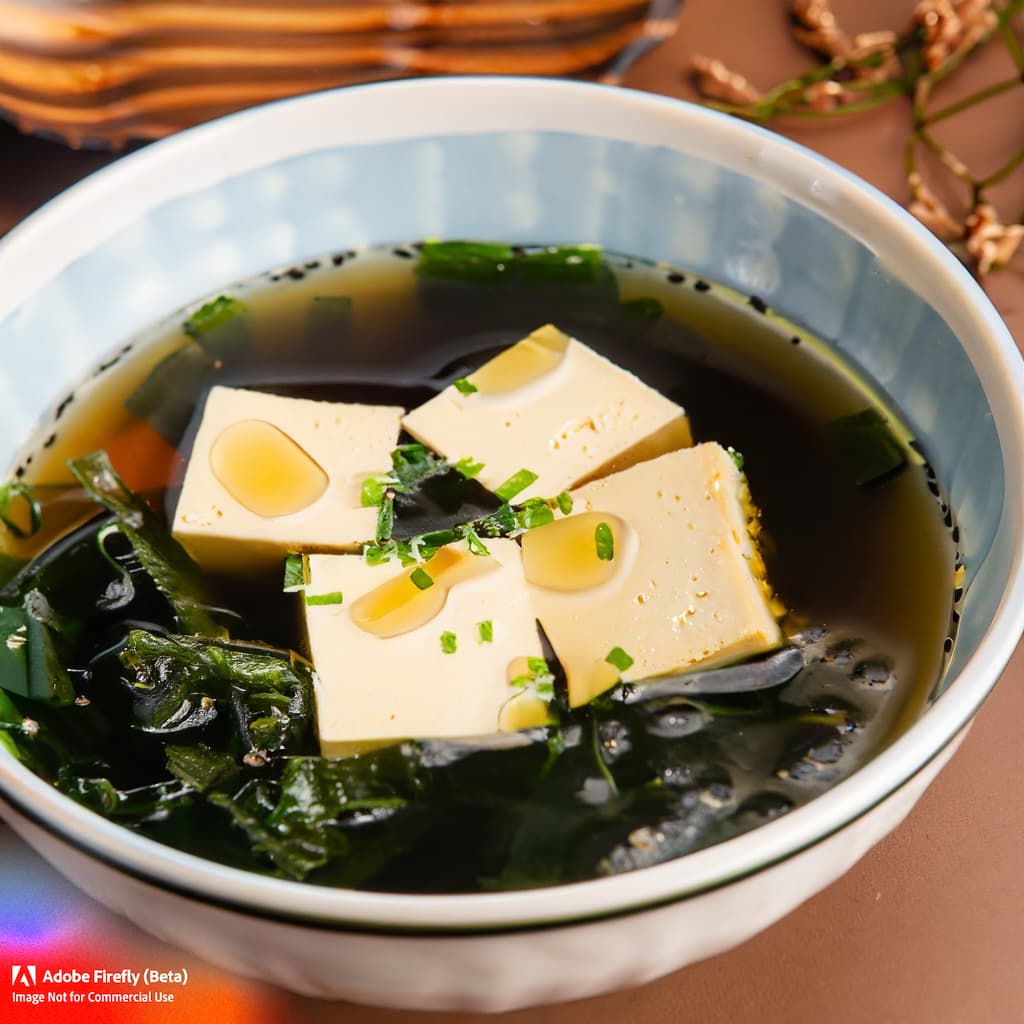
{"points": [[177, 577]]}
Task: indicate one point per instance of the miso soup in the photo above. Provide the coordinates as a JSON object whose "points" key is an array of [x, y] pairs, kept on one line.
{"points": [[282, 609]]}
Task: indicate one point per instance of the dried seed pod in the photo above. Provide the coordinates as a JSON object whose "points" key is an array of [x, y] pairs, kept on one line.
{"points": [[718, 82], [932, 212], [990, 243]]}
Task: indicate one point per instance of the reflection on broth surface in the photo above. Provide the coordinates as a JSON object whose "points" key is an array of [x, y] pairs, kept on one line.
{"points": [[167, 696]]}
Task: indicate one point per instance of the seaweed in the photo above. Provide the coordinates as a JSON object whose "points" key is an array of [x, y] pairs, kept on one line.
{"points": [[177, 577]]}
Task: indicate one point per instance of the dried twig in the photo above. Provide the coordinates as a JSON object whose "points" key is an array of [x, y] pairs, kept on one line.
{"points": [[868, 70]]}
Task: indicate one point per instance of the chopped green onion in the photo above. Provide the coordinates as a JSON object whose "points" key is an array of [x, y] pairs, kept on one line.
{"points": [[421, 579], [564, 502], [448, 642], [539, 679], [335, 597], [469, 467], [515, 484], [437, 538], [386, 516], [534, 515], [377, 554], [213, 314], [295, 575], [618, 658], [736, 457], [545, 690], [486, 630], [372, 492], [473, 542], [604, 541], [410, 555], [465, 386]]}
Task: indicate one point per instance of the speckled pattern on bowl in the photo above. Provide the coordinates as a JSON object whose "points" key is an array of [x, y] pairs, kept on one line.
{"points": [[527, 161]]}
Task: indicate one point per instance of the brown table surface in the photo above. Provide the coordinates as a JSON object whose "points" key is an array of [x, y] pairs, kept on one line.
{"points": [[929, 927]]}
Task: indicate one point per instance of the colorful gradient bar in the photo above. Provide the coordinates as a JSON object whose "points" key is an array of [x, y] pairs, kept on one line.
{"points": [[46, 924]]}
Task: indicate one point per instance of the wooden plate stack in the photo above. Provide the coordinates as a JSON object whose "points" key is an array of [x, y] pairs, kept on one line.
{"points": [[103, 72]]}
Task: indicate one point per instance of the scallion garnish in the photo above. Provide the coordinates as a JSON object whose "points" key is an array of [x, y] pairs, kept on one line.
{"points": [[486, 631], [213, 314], [473, 542], [604, 542], [386, 516], [545, 690], [421, 579], [295, 576], [564, 502], [372, 492], [536, 512], [465, 386], [618, 658], [449, 642], [334, 597], [469, 467], [539, 678], [515, 484]]}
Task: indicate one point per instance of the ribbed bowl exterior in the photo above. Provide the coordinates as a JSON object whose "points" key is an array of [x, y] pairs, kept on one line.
{"points": [[102, 72]]}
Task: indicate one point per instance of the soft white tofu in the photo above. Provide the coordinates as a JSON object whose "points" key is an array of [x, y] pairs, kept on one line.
{"points": [[685, 585], [268, 475], [384, 664], [552, 406]]}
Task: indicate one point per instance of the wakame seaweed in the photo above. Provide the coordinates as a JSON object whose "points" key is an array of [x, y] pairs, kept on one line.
{"points": [[166, 399], [163, 558], [489, 263], [223, 740]]}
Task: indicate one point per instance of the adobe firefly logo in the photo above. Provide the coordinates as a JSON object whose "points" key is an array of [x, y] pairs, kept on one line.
{"points": [[23, 975]]}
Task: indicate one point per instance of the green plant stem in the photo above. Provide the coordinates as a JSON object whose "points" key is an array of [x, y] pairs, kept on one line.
{"points": [[969, 101], [1012, 44], [953, 163], [1002, 173]]}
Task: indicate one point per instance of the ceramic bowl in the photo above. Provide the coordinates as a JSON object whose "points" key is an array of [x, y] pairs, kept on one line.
{"points": [[526, 161]]}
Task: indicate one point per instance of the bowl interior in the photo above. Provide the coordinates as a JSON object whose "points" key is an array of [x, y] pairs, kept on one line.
{"points": [[555, 163]]}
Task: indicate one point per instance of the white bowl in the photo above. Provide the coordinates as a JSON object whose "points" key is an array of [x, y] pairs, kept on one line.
{"points": [[527, 161]]}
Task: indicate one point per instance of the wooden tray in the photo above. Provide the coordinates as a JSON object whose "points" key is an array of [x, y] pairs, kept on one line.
{"points": [[99, 73]]}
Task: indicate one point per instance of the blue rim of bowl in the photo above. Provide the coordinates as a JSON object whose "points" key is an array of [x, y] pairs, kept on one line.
{"points": [[778, 840]]}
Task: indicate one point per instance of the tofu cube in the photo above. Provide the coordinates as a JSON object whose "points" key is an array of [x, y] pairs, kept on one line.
{"points": [[684, 585], [268, 475], [397, 659], [554, 407]]}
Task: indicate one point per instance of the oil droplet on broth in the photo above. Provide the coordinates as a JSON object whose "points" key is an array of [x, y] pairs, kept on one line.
{"points": [[399, 606], [265, 470], [563, 555], [523, 711], [523, 363]]}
